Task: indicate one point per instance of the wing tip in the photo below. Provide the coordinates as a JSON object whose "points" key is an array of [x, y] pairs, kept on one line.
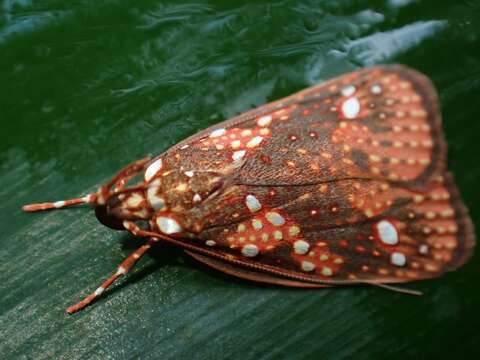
{"points": [[429, 95], [466, 229], [426, 89], [423, 85]]}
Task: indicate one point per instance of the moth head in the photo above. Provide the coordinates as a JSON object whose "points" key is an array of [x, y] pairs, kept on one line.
{"points": [[123, 198], [123, 205]]}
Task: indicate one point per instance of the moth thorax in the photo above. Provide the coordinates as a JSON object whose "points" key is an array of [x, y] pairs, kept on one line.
{"points": [[179, 191]]}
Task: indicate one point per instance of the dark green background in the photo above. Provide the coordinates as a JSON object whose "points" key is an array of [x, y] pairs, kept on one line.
{"points": [[88, 86]]}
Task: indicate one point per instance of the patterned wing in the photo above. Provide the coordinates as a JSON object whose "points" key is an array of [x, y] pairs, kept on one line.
{"points": [[320, 234], [378, 123], [343, 182]]}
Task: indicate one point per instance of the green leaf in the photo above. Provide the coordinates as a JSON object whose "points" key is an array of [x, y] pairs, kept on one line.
{"points": [[86, 87]]}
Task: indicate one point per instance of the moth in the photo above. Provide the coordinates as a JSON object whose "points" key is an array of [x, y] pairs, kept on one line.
{"points": [[342, 183]]}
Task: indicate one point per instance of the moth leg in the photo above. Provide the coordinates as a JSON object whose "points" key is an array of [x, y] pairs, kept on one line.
{"points": [[128, 170], [123, 269], [127, 173]]}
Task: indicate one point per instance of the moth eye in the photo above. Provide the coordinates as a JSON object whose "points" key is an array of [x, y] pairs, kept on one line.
{"points": [[107, 219]]}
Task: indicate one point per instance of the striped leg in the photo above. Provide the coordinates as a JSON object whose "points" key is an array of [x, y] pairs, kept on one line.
{"points": [[90, 198], [124, 267]]}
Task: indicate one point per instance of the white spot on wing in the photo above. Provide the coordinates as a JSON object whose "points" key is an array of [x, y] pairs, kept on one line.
{"points": [[275, 218], [264, 120], [351, 108], [168, 225], [348, 91], [252, 203], [308, 266], [387, 232], [423, 249], [255, 141], [294, 230], [217, 133], [257, 224], [398, 259], [277, 235], [236, 144], [250, 250], [238, 155], [301, 247], [153, 169], [326, 271], [376, 89]]}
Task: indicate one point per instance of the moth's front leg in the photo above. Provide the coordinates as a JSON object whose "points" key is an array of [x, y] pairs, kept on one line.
{"points": [[123, 269]]}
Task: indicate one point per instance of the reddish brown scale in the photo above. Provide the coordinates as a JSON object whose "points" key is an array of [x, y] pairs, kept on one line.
{"points": [[342, 183], [266, 159]]}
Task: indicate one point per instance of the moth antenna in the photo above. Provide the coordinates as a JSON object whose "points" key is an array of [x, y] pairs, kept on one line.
{"points": [[90, 198], [396, 289]]}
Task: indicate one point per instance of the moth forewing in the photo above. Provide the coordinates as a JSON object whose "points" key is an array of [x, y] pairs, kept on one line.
{"points": [[344, 181]]}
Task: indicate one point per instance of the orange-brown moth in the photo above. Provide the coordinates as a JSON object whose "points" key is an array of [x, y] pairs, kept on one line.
{"points": [[342, 183]]}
